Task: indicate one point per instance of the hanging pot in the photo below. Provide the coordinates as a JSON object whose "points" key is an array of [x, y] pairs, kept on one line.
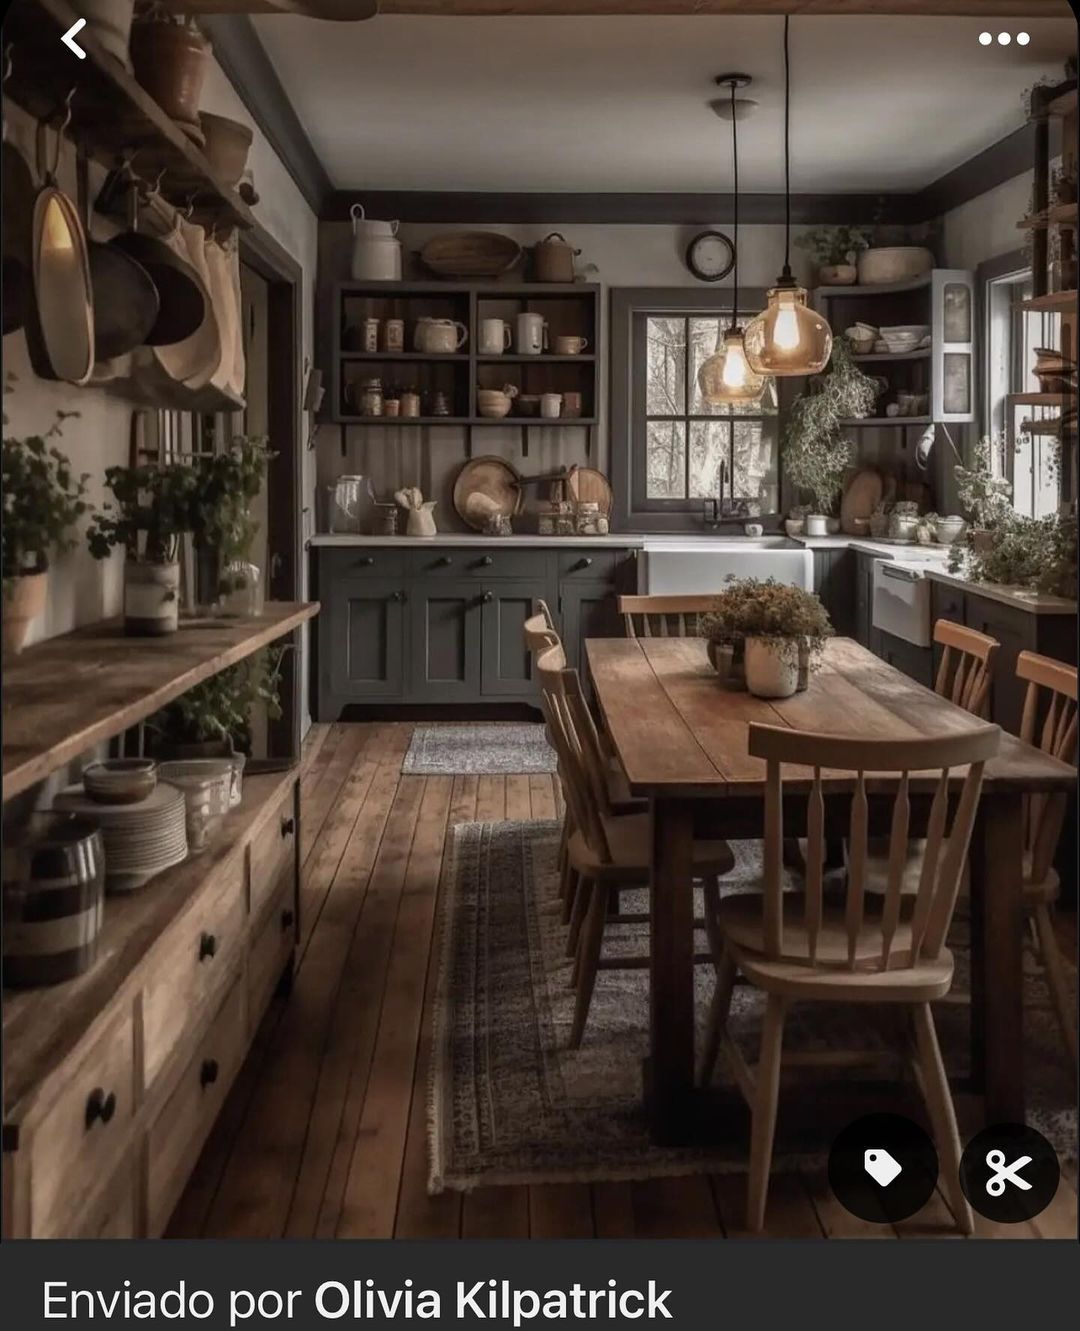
{"points": [[60, 317], [554, 259], [170, 62], [376, 255], [126, 303]]}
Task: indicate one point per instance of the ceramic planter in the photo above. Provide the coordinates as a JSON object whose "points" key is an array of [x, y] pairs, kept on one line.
{"points": [[837, 275], [772, 668], [816, 524], [170, 62], [24, 600], [151, 598]]}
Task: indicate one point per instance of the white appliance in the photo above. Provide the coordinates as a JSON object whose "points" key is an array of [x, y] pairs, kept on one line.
{"points": [[700, 565], [902, 601]]}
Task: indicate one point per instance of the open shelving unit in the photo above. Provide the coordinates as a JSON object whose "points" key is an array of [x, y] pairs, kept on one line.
{"points": [[569, 310]]}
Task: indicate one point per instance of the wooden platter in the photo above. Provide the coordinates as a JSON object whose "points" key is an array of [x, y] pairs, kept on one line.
{"points": [[495, 480], [586, 485], [861, 495]]}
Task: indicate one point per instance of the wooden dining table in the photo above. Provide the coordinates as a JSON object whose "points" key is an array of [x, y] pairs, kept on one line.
{"points": [[681, 737]]}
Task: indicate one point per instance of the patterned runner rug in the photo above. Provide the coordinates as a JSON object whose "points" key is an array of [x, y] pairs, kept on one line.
{"points": [[498, 749]]}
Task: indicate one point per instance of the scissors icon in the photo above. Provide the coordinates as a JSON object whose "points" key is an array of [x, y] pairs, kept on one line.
{"points": [[1002, 1172]]}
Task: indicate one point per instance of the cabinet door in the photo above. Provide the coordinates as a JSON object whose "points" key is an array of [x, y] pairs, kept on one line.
{"points": [[587, 610], [952, 373], [507, 664], [865, 632], [444, 620], [834, 582], [1015, 630], [915, 662], [362, 638]]}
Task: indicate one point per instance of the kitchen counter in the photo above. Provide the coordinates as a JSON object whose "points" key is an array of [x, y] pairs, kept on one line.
{"points": [[924, 554], [1020, 598], [620, 541]]}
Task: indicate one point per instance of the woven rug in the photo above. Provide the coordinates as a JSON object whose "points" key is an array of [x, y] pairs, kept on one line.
{"points": [[477, 749], [510, 1103]]}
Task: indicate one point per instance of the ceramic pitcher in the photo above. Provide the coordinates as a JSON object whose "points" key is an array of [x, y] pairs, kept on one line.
{"points": [[422, 520]]}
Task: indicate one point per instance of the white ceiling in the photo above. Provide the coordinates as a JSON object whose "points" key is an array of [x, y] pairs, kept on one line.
{"points": [[601, 104]]}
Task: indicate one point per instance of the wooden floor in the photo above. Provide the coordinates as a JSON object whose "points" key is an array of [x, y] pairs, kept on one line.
{"points": [[323, 1134]]}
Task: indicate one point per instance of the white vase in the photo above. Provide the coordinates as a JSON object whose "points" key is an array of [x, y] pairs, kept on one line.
{"points": [[816, 524], [772, 668], [151, 598]]}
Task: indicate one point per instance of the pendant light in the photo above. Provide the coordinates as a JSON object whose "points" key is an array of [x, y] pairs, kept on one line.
{"points": [[788, 338], [726, 377]]}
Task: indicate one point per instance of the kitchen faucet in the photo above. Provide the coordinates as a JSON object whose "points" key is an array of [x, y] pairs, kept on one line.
{"points": [[715, 510]]}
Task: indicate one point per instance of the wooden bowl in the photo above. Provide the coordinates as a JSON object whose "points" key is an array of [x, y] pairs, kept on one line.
{"points": [[464, 255]]}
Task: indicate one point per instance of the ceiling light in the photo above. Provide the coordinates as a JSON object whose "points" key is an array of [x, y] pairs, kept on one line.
{"points": [[726, 377], [788, 338]]}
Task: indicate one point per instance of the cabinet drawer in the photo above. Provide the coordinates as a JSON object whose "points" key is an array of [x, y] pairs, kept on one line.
{"points": [[195, 963], [271, 945], [471, 561], [84, 1132], [585, 565], [379, 561], [271, 851], [177, 1134]]}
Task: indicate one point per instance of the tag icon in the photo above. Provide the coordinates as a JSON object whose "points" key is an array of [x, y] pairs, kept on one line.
{"points": [[881, 1166]]}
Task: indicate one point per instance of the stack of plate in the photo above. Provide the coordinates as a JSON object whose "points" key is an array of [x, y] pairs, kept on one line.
{"points": [[140, 839]]}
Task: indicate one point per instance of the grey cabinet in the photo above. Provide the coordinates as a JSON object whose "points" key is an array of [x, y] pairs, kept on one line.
{"points": [[444, 631], [587, 610], [915, 662], [363, 624], [834, 583], [863, 626], [506, 668]]}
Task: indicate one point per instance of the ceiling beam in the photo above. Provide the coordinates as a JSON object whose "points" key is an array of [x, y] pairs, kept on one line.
{"points": [[998, 9]]}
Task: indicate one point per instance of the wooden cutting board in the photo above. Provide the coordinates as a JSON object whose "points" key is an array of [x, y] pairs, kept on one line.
{"points": [[586, 485], [862, 494], [496, 480]]}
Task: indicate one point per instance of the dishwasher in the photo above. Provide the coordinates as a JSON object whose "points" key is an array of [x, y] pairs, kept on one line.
{"points": [[901, 618]]}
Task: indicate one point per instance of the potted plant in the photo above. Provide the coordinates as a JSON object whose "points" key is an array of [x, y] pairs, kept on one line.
{"points": [[782, 630], [1039, 554], [222, 524], [833, 249], [985, 497], [43, 501], [816, 454], [152, 510]]}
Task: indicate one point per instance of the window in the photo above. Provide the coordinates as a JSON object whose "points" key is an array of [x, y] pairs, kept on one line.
{"points": [[668, 445], [1030, 455]]}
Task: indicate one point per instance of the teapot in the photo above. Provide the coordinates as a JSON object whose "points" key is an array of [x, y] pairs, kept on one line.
{"points": [[421, 511], [440, 336]]}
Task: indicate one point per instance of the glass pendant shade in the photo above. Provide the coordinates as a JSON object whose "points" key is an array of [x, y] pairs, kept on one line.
{"points": [[788, 337], [726, 377]]}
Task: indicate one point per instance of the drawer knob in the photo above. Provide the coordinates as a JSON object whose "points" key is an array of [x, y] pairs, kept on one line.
{"points": [[584, 562], [207, 946], [487, 597], [486, 562], [99, 1106], [287, 919], [288, 827], [366, 561], [445, 561], [397, 596], [208, 1073]]}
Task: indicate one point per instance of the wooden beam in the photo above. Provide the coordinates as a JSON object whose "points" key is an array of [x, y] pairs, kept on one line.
{"points": [[1003, 9]]}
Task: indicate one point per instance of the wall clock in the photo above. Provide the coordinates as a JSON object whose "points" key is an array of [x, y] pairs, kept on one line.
{"points": [[710, 256]]}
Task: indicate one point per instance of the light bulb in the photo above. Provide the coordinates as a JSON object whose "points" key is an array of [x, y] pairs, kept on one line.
{"points": [[788, 337], [726, 376]]}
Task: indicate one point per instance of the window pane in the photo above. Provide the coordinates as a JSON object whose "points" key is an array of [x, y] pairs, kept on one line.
{"points": [[956, 317], [755, 465], [710, 444], [706, 337], [665, 461], [666, 367]]}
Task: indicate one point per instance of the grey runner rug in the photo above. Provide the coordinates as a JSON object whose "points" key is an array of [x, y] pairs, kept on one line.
{"points": [[478, 749], [510, 1103]]}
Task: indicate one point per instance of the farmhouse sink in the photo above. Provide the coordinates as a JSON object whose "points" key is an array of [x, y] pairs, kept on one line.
{"points": [[686, 565]]}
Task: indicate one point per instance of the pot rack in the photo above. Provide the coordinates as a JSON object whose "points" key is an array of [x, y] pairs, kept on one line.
{"points": [[113, 119]]}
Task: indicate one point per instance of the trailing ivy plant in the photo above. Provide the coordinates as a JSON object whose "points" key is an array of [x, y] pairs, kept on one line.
{"points": [[816, 454], [43, 500], [219, 708]]}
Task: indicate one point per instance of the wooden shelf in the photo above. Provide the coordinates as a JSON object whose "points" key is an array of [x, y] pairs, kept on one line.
{"points": [[1039, 399], [110, 112], [885, 422], [1050, 425], [389, 422], [1061, 214], [876, 357], [512, 358], [883, 289], [65, 695], [43, 1025], [1052, 301], [409, 357]]}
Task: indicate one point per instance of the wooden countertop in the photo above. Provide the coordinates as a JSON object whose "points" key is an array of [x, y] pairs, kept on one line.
{"points": [[71, 692]]}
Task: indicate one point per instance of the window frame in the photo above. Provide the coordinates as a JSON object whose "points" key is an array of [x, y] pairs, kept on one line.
{"points": [[631, 307]]}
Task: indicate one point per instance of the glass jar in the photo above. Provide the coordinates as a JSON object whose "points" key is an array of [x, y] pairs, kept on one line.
{"points": [[244, 592], [371, 398], [588, 518]]}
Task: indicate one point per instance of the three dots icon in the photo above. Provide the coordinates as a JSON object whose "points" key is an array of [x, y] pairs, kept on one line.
{"points": [[1003, 38]]}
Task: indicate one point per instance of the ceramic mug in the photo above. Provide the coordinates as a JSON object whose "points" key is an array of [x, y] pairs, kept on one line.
{"points": [[495, 337], [570, 346], [550, 405], [532, 334]]}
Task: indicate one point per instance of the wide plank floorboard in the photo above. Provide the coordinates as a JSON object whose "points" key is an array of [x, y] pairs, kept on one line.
{"points": [[324, 1131]]}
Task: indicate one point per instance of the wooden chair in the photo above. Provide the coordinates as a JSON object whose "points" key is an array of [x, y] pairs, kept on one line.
{"points": [[606, 851], [663, 616], [967, 665], [1049, 722], [798, 948]]}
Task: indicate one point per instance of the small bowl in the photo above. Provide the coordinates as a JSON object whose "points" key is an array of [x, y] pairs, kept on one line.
{"points": [[527, 405], [120, 780], [948, 530]]}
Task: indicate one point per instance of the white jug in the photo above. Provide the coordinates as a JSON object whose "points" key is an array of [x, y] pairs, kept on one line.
{"points": [[532, 334], [376, 253]]}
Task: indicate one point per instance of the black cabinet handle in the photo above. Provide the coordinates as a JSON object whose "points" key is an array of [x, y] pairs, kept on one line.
{"points": [[445, 561], [397, 596], [487, 597], [207, 946], [366, 561], [208, 1073], [99, 1106], [287, 920], [584, 562], [288, 827], [486, 562]]}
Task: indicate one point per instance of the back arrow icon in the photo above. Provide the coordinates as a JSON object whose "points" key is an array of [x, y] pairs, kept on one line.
{"points": [[69, 38]]}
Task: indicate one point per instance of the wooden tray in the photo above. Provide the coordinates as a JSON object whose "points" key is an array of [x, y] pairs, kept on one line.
{"points": [[586, 485], [862, 494], [491, 476]]}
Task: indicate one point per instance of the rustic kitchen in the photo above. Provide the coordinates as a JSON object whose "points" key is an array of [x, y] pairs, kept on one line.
{"points": [[540, 568]]}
